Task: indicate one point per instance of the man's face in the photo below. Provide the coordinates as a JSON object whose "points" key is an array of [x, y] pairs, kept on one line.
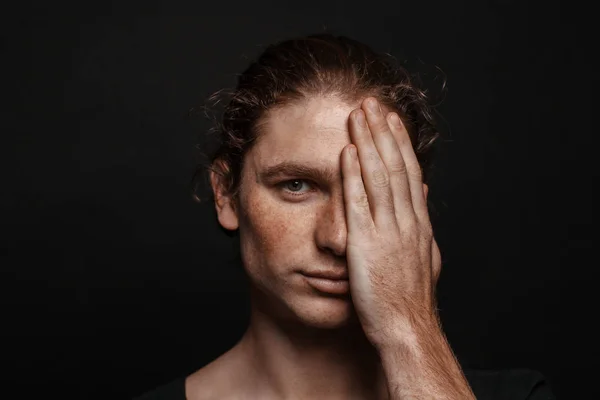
{"points": [[292, 223]]}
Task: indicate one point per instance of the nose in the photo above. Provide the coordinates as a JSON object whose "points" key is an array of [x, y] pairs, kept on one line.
{"points": [[331, 231]]}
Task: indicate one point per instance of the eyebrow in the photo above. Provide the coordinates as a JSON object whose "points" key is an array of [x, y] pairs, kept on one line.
{"points": [[291, 168]]}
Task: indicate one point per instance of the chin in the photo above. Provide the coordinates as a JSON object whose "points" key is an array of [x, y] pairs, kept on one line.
{"points": [[325, 312], [305, 307]]}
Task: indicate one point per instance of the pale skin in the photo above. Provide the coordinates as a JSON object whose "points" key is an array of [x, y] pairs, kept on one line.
{"points": [[368, 215]]}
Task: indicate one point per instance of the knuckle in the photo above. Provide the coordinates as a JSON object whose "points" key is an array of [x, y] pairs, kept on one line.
{"points": [[416, 173], [397, 167], [380, 178], [428, 229], [427, 236], [361, 201], [364, 225], [425, 228], [410, 227]]}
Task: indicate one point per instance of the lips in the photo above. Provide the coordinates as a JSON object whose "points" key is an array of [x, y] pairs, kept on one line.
{"points": [[332, 282], [332, 275]]}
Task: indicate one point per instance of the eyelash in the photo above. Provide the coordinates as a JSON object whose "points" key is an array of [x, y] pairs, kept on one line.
{"points": [[285, 183]]}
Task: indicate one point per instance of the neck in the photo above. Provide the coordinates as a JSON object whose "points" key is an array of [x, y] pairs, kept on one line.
{"points": [[292, 360]]}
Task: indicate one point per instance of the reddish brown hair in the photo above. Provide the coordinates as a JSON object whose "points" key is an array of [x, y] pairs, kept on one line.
{"points": [[321, 64]]}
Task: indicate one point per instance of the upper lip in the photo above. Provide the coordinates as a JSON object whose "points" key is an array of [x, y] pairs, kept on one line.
{"points": [[333, 275]]}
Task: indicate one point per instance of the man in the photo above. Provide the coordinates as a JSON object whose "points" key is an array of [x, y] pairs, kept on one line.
{"points": [[319, 175]]}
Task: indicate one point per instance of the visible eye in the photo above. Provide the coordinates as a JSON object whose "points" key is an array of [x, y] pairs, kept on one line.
{"points": [[294, 186]]}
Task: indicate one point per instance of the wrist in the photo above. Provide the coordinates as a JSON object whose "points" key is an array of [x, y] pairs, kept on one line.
{"points": [[410, 344], [411, 337], [421, 359]]}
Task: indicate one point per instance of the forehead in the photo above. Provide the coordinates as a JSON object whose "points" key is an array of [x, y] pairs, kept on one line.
{"points": [[312, 131]]}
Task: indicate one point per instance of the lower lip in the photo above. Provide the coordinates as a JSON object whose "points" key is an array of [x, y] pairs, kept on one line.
{"points": [[333, 286]]}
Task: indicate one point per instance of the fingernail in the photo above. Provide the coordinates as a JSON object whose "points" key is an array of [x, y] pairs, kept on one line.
{"points": [[396, 120], [373, 106], [352, 151], [360, 118]]}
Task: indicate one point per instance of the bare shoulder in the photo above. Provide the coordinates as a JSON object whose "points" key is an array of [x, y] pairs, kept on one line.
{"points": [[220, 379]]}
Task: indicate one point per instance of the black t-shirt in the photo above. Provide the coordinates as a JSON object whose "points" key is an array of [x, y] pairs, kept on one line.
{"points": [[511, 384]]}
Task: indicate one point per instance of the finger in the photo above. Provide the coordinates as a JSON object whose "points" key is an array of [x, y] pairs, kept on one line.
{"points": [[356, 203], [391, 155], [413, 169], [374, 172]]}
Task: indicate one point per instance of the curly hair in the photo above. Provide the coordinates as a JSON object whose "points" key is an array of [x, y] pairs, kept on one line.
{"points": [[314, 65]]}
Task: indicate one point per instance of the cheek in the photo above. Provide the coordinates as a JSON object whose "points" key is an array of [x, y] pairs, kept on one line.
{"points": [[272, 231]]}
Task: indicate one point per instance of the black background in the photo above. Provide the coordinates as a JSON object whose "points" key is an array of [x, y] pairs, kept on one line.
{"points": [[115, 281]]}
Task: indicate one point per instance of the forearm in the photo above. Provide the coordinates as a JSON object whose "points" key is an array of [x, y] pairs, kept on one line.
{"points": [[421, 365]]}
